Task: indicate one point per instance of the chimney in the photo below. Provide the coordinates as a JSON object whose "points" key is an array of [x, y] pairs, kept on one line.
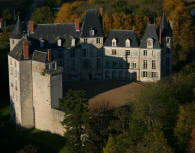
{"points": [[31, 26], [101, 11], [25, 45], [160, 36], [77, 25], [49, 55]]}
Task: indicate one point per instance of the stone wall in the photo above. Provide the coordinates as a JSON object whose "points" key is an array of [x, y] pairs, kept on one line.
{"points": [[14, 90], [26, 94], [47, 89]]}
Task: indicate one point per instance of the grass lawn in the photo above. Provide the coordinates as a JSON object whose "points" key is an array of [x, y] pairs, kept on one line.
{"points": [[12, 140], [113, 93]]}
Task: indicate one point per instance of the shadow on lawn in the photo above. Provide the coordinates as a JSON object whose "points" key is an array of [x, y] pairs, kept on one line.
{"points": [[95, 87], [13, 140]]}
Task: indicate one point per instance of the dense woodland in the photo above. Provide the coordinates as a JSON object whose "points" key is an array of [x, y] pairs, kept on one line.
{"points": [[161, 118]]}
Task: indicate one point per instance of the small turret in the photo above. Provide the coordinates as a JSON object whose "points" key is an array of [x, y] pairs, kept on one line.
{"points": [[16, 34], [164, 28]]}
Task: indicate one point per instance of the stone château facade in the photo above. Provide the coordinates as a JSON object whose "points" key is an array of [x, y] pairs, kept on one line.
{"points": [[44, 56]]}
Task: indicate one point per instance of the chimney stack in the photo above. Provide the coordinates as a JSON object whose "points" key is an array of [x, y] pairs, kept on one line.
{"points": [[25, 45], [31, 26], [160, 36], [49, 55], [77, 25], [101, 11]]}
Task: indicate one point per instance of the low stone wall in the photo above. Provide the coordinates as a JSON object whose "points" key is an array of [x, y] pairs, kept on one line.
{"points": [[57, 118]]}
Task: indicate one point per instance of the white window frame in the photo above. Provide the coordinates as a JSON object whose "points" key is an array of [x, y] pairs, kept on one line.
{"points": [[145, 64], [150, 43], [73, 42], [114, 42], [153, 64], [85, 40], [91, 32], [134, 65], [127, 43], [59, 43], [98, 41], [145, 52]]}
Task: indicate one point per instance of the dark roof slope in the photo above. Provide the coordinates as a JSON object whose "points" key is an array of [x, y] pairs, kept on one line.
{"points": [[165, 27], [17, 32], [121, 36], [52, 32], [92, 21], [150, 33], [40, 56], [17, 52]]}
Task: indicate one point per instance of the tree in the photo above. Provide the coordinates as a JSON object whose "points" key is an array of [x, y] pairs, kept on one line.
{"points": [[107, 24], [6, 14], [76, 120], [180, 16], [43, 15], [110, 146], [185, 125], [153, 142], [70, 11]]}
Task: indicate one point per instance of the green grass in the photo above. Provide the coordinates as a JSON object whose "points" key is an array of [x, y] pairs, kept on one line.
{"points": [[12, 140]]}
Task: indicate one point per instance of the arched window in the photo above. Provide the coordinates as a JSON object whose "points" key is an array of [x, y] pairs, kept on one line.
{"points": [[59, 42], [149, 43], [114, 42], [127, 43]]}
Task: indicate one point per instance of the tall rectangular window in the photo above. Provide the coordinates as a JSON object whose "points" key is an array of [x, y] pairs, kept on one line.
{"points": [[145, 52], [127, 53], [145, 74], [85, 40], [113, 51], [154, 74], [153, 64], [98, 41], [134, 65], [145, 64]]}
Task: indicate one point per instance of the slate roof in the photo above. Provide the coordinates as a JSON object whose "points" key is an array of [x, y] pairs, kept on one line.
{"points": [[17, 32], [150, 33], [92, 20], [165, 27], [52, 32], [17, 52], [40, 56], [121, 36]]}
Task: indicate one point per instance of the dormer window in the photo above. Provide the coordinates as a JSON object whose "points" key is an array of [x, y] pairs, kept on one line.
{"points": [[73, 42], [92, 32], [41, 43], [114, 42], [127, 43], [149, 43], [59, 43]]}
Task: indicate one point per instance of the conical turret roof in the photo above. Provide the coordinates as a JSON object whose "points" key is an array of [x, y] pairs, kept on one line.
{"points": [[17, 32], [165, 27]]}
